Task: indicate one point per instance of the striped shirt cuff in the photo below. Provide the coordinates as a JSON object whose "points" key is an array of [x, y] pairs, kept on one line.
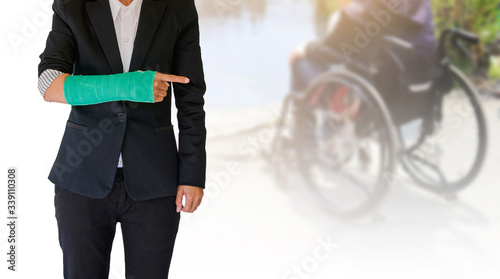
{"points": [[46, 79]]}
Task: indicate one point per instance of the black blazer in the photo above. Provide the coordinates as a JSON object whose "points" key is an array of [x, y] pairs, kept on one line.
{"points": [[83, 42]]}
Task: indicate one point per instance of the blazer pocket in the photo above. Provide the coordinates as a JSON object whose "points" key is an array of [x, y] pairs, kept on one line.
{"points": [[77, 126], [164, 128]]}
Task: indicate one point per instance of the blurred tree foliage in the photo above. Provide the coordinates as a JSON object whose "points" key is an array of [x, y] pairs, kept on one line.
{"points": [[480, 17], [477, 16]]}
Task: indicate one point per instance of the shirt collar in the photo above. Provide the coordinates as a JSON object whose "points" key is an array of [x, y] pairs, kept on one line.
{"points": [[116, 5]]}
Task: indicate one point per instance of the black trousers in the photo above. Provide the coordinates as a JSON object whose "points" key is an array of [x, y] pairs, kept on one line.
{"points": [[87, 229]]}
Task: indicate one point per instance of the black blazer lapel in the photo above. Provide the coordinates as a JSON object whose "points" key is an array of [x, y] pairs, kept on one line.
{"points": [[151, 14], [100, 15]]}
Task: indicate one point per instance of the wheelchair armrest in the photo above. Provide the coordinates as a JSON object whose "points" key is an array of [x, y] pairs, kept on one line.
{"points": [[398, 42]]}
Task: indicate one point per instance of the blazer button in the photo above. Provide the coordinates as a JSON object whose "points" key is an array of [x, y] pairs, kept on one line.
{"points": [[121, 117]]}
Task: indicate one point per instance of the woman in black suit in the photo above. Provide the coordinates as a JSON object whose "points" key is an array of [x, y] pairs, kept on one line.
{"points": [[119, 160]]}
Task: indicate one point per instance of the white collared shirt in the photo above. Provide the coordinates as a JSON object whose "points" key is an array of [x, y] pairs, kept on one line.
{"points": [[126, 21]]}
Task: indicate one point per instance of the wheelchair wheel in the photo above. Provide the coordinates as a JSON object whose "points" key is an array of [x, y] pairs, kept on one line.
{"points": [[345, 143], [449, 156]]}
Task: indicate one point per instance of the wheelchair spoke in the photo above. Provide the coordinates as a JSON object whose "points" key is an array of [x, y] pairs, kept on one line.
{"points": [[431, 166], [342, 150]]}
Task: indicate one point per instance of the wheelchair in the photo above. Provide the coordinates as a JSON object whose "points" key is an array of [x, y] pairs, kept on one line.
{"points": [[349, 135]]}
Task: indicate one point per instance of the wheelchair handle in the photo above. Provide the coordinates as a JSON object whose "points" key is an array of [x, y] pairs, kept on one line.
{"points": [[466, 36], [457, 37]]}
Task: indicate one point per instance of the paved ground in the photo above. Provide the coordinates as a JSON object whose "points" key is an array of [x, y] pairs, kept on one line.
{"points": [[253, 227]]}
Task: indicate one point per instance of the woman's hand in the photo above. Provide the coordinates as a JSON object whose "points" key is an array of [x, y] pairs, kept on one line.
{"points": [[161, 84]]}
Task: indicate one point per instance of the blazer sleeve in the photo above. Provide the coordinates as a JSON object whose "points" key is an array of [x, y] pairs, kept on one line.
{"points": [[189, 102], [59, 53]]}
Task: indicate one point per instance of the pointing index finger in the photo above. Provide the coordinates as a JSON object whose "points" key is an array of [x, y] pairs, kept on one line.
{"points": [[174, 78]]}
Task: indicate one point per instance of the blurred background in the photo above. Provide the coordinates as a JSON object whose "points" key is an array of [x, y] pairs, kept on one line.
{"points": [[344, 141]]}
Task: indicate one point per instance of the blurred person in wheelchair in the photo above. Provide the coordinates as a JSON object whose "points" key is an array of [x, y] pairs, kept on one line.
{"points": [[354, 91], [355, 33]]}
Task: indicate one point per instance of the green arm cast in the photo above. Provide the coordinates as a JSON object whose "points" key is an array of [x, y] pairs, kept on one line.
{"points": [[95, 89]]}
